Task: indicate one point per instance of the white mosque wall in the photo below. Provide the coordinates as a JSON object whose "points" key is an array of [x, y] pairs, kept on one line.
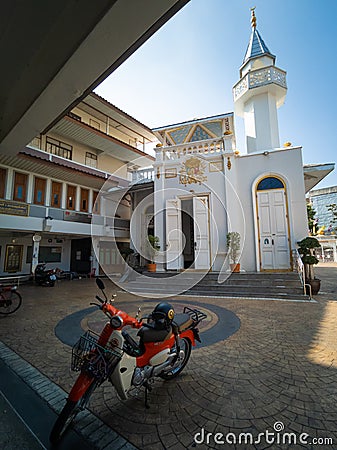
{"points": [[250, 169]]}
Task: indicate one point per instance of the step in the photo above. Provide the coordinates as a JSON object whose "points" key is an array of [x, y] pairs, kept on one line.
{"points": [[285, 285], [266, 295]]}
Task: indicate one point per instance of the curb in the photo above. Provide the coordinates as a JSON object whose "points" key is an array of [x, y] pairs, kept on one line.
{"points": [[90, 427]]}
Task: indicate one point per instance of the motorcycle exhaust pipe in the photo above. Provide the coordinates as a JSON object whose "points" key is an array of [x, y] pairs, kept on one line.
{"points": [[156, 370]]}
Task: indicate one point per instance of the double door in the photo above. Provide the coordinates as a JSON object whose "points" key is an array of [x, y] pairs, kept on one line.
{"points": [[177, 235], [273, 230]]}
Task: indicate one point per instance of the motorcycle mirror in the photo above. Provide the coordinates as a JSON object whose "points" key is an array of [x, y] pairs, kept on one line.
{"points": [[138, 312], [100, 284]]}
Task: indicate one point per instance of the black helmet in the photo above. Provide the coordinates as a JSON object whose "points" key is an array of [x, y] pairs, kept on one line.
{"points": [[163, 315]]}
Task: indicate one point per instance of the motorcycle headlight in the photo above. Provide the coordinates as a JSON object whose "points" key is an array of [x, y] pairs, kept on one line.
{"points": [[116, 322]]}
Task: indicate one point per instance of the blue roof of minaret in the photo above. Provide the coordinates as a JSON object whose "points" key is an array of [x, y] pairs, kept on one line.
{"points": [[256, 46]]}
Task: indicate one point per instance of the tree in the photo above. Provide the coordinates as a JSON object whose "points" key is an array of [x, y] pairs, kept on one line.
{"points": [[306, 249], [311, 213]]}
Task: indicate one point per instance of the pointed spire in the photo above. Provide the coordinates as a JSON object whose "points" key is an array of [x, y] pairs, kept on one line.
{"points": [[256, 46]]}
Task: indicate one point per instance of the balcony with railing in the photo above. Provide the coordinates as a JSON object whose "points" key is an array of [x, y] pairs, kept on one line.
{"points": [[258, 78], [205, 148]]}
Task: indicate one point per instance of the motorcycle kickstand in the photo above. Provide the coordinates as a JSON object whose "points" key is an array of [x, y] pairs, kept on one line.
{"points": [[148, 389]]}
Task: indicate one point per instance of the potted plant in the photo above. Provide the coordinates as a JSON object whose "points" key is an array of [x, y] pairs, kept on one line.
{"points": [[154, 248], [233, 245], [306, 250]]}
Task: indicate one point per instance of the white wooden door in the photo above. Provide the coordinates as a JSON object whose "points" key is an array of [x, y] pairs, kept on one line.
{"points": [[273, 229], [201, 233], [174, 258]]}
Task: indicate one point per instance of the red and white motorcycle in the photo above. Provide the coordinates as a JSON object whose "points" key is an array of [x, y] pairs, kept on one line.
{"points": [[163, 350]]}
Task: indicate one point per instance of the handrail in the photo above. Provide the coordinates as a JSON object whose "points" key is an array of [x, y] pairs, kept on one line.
{"points": [[299, 268], [11, 279]]}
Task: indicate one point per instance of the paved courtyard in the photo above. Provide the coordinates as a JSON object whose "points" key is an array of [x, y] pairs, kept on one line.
{"points": [[276, 373]]}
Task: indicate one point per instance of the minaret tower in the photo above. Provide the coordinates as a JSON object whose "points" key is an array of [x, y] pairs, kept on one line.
{"points": [[260, 91]]}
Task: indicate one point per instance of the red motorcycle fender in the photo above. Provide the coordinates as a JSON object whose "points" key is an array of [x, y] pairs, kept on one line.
{"points": [[189, 334], [81, 385]]}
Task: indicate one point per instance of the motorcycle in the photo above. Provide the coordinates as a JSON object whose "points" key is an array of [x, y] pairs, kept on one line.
{"points": [[163, 350], [44, 277]]}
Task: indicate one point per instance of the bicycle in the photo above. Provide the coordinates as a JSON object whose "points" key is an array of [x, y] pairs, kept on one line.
{"points": [[10, 299]]}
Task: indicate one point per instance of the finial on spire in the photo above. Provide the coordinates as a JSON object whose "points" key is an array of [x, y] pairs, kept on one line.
{"points": [[253, 18]]}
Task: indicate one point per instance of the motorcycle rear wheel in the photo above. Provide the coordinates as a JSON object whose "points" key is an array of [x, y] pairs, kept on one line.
{"points": [[68, 414], [172, 372]]}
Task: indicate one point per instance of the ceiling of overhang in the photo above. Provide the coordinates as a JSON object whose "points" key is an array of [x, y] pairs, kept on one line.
{"points": [[314, 173], [37, 39], [80, 132], [56, 53]]}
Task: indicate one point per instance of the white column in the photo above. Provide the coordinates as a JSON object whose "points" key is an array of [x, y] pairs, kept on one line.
{"points": [[235, 219], [30, 188], [78, 198], [90, 199], [9, 184], [159, 211], [48, 192], [64, 196], [35, 253]]}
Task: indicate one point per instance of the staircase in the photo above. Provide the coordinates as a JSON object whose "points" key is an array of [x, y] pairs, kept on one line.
{"points": [[286, 285]]}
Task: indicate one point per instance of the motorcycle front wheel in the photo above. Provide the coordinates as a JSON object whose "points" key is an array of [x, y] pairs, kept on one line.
{"points": [[178, 366], [10, 301], [68, 414]]}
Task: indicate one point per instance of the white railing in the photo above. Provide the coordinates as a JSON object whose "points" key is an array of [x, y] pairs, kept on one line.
{"points": [[298, 267], [207, 147], [143, 175], [260, 77]]}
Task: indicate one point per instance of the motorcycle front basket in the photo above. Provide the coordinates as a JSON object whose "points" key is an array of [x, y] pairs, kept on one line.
{"points": [[89, 356]]}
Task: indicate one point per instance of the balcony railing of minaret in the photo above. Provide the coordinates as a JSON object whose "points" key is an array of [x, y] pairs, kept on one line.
{"points": [[207, 147], [260, 77]]}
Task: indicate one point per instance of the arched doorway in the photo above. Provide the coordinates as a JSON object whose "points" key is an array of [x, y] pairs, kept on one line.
{"points": [[273, 224]]}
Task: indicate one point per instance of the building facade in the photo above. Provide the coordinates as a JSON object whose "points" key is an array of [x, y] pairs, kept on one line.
{"points": [[325, 222], [321, 199], [53, 188]]}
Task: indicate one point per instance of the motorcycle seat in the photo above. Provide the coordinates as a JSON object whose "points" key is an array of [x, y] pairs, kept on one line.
{"points": [[183, 321], [151, 334]]}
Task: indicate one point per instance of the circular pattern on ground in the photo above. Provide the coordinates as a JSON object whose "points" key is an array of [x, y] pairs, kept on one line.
{"points": [[220, 324]]}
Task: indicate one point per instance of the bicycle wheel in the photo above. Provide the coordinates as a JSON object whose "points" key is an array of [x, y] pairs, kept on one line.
{"points": [[177, 368], [10, 301], [68, 414]]}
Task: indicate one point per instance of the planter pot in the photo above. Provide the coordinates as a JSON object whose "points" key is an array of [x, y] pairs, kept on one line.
{"points": [[235, 267], [315, 285], [152, 267]]}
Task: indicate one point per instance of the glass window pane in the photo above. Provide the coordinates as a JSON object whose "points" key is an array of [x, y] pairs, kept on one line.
{"points": [[270, 183]]}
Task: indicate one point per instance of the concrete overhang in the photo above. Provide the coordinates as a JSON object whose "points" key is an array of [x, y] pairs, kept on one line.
{"points": [[52, 166], [56, 53], [98, 140], [117, 118], [314, 173]]}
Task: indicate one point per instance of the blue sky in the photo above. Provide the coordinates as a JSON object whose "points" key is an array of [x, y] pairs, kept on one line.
{"points": [[188, 68]]}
